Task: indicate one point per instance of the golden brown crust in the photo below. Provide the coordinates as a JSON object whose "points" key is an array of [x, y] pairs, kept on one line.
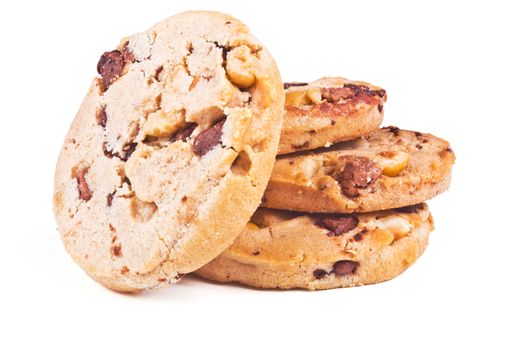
{"points": [[340, 110], [297, 251], [310, 181]]}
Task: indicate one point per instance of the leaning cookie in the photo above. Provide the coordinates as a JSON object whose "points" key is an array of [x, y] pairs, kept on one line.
{"points": [[170, 152], [327, 111], [280, 249], [389, 168]]}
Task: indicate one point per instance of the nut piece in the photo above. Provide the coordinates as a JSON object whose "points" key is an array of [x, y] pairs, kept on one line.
{"points": [[393, 162], [311, 166], [303, 97], [239, 67], [162, 124], [252, 226], [396, 225]]}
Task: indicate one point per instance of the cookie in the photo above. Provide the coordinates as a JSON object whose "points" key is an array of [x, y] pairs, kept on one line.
{"points": [[281, 249], [387, 169], [170, 152], [327, 111]]}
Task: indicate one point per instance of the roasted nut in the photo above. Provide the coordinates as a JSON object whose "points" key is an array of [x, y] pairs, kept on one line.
{"points": [[303, 97], [161, 123], [396, 225], [381, 237], [393, 162], [252, 226], [310, 166], [240, 67]]}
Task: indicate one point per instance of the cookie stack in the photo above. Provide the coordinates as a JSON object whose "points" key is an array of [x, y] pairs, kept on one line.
{"points": [[175, 146], [339, 213]]}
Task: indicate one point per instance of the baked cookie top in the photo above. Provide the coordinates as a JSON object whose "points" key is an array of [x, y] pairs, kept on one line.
{"points": [[170, 151], [329, 110], [386, 169], [283, 249]]}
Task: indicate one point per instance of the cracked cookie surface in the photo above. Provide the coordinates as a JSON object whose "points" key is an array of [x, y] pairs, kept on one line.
{"points": [[327, 111], [386, 169], [170, 151], [281, 249]]}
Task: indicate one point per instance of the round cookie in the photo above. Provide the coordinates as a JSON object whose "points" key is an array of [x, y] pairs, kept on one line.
{"points": [[170, 151], [327, 111], [280, 249], [389, 168]]}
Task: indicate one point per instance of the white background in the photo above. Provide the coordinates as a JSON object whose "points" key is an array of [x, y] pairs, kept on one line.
{"points": [[451, 68]]}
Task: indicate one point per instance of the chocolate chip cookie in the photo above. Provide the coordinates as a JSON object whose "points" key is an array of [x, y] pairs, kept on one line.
{"points": [[387, 169], [281, 249], [170, 151], [327, 111]]}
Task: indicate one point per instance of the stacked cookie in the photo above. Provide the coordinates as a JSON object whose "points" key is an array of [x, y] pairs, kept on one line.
{"points": [[339, 213], [175, 146]]}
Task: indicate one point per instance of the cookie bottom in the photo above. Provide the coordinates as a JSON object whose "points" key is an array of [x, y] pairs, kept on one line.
{"points": [[380, 264]]}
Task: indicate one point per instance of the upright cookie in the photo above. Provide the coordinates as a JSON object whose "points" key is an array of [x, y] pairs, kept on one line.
{"points": [[389, 168], [280, 249], [170, 151], [327, 111]]}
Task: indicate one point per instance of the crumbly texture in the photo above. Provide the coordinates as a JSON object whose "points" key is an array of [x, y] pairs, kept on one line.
{"points": [[387, 169], [286, 250], [170, 152], [327, 111]]}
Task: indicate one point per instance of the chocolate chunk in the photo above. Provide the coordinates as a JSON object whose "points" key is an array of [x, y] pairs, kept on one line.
{"points": [[410, 208], [101, 117], [393, 129], [358, 172], [381, 93], [287, 85], [418, 146], [111, 65], [358, 237], [304, 145], [380, 107], [358, 90], [207, 139], [184, 133], [84, 192], [109, 198], [319, 274], [355, 88], [338, 224], [349, 91], [333, 95], [116, 250], [344, 267], [128, 150]]}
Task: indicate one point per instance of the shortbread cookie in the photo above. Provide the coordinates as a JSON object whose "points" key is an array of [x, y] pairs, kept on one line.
{"points": [[170, 152], [389, 168], [327, 111], [280, 249]]}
